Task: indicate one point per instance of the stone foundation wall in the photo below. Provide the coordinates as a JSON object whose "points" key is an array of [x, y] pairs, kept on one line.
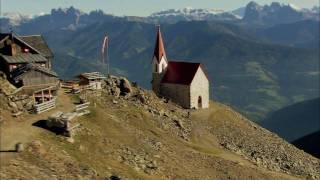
{"points": [[156, 79], [179, 94]]}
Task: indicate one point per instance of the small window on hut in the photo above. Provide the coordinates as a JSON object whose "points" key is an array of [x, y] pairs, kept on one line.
{"points": [[25, 50]]}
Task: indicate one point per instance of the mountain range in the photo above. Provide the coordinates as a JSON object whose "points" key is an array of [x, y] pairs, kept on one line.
{"points": [[277, 13], [256, 68], [253, 13], [295, 121]]}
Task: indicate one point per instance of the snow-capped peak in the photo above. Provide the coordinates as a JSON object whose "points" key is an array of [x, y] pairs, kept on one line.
{"points": [[295, 7], [188, 11], [16, 18], [192, 14]]}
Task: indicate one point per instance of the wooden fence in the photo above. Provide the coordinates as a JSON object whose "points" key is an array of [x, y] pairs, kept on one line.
{"points": [[45, 106], [66, 86], [82, 107], [69, 84]]}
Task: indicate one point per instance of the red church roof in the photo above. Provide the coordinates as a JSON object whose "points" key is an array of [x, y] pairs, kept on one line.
{"points": [[180, 72], [159, 50]]}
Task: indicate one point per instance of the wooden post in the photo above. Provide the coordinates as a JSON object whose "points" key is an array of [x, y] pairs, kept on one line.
{"points": [[42, 94], [34, 99], [49, 94]]}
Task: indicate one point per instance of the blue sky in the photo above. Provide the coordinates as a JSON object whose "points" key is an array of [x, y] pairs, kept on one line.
{"points": [[132, 7]]}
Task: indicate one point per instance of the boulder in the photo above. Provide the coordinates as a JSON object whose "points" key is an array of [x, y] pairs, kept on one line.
{"points": [[116, 92], [13, 105], [125, 86], [179, 123], [70, 140], [19, 105], [142, 98]]}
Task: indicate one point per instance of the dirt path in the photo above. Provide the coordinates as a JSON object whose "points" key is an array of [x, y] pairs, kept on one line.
{"points": [[21, 129]]}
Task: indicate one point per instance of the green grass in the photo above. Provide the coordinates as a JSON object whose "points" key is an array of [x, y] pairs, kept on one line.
{"points": [[254, 69], [75, 98], [93, 113]]}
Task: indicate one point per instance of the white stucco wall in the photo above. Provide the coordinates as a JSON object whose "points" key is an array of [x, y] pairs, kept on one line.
{"points": [[178, 93], [199, 87], [161, 66], [158, 75]]}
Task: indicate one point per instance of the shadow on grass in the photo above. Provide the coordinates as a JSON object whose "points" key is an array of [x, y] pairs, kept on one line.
{"points": [[8, 151], [42, 124]]}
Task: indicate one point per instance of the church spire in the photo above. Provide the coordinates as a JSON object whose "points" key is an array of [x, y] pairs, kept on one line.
{"points": [[159, 50]]}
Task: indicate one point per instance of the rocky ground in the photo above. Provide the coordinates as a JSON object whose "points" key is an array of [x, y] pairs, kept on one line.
{"points": [[12, 102], [133, 134]]}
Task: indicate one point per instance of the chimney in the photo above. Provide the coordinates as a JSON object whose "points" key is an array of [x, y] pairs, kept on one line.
{"points": [[13, 49]]}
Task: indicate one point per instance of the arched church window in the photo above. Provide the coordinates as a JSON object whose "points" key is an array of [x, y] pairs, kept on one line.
{"points": [[199, 102]]}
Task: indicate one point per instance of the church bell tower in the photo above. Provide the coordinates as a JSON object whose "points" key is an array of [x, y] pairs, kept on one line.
{"points": [[159, 62]]}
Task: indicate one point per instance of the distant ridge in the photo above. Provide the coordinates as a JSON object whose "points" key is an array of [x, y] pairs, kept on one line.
{"points": [[309, 144], [295, 121]]}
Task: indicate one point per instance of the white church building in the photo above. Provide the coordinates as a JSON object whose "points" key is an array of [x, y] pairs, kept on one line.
{"points": [[184, 83]]}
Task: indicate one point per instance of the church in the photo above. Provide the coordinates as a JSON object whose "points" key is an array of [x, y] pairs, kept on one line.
{"points": [[184, 83]]}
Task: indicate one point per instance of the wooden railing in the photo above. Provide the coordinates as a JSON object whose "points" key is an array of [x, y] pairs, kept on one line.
{"points": [[82, 107], [45, 106]]}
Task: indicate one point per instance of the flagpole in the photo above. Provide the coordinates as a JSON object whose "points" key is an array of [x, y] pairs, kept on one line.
{"points": [[103, 60], [104, 50], [108, 73]]}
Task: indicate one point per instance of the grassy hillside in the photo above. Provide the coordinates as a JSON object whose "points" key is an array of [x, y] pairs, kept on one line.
{"points": [[151, 139], [301, 34], [295, 121], [255, 78]]}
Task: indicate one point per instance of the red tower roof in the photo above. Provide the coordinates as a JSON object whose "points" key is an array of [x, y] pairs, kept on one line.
{"points": [[159, 50]]}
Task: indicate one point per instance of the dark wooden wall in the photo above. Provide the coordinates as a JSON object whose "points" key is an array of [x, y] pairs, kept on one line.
{"points": [[33, 77]]}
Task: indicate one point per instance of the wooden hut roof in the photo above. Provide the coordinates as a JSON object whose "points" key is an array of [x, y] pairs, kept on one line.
{"points": [[19, 39], [92, 75], [24, 58], [18, 73], [39, 43], [35, 42]]}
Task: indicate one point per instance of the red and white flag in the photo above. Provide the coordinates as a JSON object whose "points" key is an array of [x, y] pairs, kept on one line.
{"points": [[105, 44], [105, 47]]}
